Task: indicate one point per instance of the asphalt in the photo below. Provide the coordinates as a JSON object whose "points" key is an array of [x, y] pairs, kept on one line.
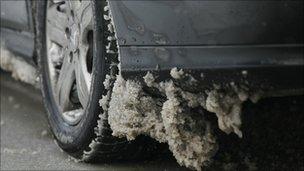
{"points": [[273, 137]]}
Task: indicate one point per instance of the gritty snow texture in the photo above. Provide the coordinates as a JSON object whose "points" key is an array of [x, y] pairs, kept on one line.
{"points": [[20, 69], [176, 74], [173, 119], [227, 107], [107, 82], [133, 112]]}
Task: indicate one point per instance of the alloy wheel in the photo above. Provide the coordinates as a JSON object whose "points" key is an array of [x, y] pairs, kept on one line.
{"points": [[69, 49]]}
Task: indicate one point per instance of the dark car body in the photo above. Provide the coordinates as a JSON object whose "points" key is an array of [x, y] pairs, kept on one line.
{"points": [[221, 39], [17, 27]]}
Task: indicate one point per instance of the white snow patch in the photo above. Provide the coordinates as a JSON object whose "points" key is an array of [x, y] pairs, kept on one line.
{"points": [[107, 82], [176, 74], [244, 72], [149, 79], [44, 133], [14, 151], [20, 69]]}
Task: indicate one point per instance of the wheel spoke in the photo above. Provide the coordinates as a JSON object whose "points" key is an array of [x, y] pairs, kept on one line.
{"points": [[57, 23], [57, 19], [84, 16], [65, 83], [83, 81], [56, 35]]}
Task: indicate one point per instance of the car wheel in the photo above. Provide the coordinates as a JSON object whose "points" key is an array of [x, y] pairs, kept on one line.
{"points": [[70, 38]]}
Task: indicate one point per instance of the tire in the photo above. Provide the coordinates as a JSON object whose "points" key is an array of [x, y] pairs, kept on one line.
{"points": [[90, 138]]}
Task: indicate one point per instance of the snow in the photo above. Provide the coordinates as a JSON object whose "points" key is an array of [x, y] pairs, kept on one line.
{"points": [[20, 69], [133, 112], [107, 82], [44, 133], [176, 74]]}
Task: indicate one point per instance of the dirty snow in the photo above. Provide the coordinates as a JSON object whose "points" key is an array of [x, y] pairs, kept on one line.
{"points": [[133, 112], [227, 107], [176, 74], [20, 69], [172, 120]]}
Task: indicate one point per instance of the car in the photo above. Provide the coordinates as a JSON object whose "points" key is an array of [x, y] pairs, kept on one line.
{"points": [[82, 47]]}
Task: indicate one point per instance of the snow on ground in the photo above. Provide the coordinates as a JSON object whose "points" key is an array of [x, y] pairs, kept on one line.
{"points": [[19, 68]]}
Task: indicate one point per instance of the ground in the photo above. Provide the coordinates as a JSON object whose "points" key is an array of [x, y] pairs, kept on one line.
{"points": [[273, 137]]}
